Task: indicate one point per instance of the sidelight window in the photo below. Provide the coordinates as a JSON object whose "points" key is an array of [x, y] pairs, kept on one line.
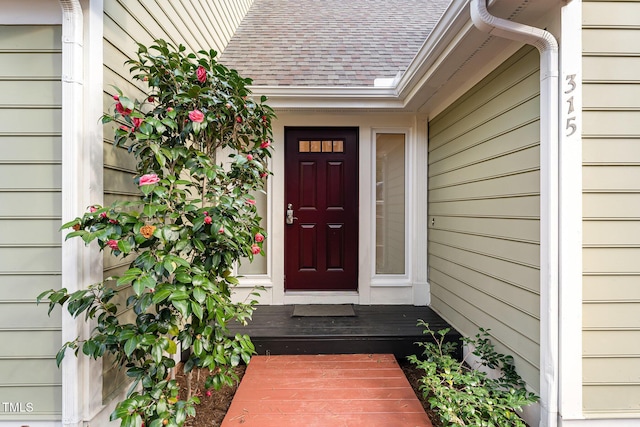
{"points": [[390, 203]]}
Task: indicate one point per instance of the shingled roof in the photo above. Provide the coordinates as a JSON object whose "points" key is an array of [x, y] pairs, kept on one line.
{"points": [[329, 42]]}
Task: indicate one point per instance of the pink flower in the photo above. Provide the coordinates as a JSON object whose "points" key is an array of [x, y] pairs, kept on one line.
{"points": [[259, 237], [113, 221], [125, 128], [116, 97], [221, 230], [92, 209], [120, 109], [251, 202], [239, 119], [103, 215], [263, 175], [255, 249], [249, 157], [265, 144], [137, 121], [196, 116], [208, 393], [208, 219], [151, 99], [148, 179], [202, 74], [113, 244], [170, 109]]}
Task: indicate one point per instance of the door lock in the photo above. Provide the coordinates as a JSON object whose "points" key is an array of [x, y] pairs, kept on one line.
{"points": [[290, 218]]}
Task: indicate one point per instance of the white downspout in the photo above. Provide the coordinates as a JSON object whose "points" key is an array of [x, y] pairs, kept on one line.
{"points": [[549, 207], [72, 179]]}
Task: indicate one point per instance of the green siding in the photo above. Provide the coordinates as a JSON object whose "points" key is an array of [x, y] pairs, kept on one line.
{"points": [[611, 209], [30, 209], [484, 195]]}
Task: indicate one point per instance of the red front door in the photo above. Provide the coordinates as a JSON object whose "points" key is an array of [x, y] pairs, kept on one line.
{"points": [[321, 187]]}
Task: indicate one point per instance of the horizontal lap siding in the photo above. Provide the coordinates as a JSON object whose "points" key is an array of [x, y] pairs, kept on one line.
{"points": [[484, 195], [611, 208], [30, 215], [196, 24]]}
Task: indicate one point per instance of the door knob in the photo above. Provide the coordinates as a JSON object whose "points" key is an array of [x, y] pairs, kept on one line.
{"points": [[290, 218]]}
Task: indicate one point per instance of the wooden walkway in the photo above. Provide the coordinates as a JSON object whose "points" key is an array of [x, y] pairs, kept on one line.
{"points": [[345, 390]]}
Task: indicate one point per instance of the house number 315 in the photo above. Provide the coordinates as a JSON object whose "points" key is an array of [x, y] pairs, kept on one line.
{"points": [[571, 126]]}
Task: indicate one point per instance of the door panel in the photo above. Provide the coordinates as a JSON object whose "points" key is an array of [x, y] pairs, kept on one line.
{"points": [[321, 184]]}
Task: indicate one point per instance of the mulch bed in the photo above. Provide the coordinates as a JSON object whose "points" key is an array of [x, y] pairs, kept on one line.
{"points": [[213, 408]]}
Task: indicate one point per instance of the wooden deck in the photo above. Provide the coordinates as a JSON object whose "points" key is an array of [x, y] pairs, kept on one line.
{"points": [[381, 329], [325, 391]]}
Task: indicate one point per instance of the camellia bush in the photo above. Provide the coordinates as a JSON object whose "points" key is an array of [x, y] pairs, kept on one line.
{"points": [[202, 145]]}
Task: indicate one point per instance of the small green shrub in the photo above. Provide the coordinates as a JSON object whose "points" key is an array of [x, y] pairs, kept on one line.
{"points": [[463, 396]]}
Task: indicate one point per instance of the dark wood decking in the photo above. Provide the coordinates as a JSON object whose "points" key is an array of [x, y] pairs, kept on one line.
{"points": [[381, 329], [355, 390]]}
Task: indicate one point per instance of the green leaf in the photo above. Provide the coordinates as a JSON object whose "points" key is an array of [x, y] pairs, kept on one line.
{"points": [[197, 309], [138, 287], [126, 103], [156, 353], [178, 296], [183, 307], [60, 355], [148, 282], [199, 294], [170, 265], [160, 295], [199, 245], [183, 278], [197, 348], [172, 347], [130, 345]]}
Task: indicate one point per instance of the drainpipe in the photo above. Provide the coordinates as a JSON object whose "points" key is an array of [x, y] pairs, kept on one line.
{"points": [[549, 202], [72, 131]]}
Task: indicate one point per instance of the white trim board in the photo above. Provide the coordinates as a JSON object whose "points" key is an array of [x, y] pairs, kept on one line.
{"points": [[570, 221]]}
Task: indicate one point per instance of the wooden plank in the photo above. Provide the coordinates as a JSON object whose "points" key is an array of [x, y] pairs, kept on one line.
{"points": [[309, 397]]}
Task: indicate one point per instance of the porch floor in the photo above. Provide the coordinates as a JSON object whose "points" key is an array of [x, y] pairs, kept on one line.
{"points": [[375, 329], [354, 390]]}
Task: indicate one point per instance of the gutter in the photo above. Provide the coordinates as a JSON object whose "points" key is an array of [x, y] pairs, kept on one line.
{"points": [[72, 155], [549, 195]]}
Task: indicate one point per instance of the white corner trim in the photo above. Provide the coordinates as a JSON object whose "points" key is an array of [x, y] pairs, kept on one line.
{"points": [[549, 195], [72, 178], [91, 192], [570, 167]]}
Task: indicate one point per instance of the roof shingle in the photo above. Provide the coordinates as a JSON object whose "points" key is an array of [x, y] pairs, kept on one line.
{"points": [[329, 42]]}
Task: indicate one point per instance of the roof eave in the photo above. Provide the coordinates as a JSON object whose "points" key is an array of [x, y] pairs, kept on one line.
{"points": [[329, 98]]}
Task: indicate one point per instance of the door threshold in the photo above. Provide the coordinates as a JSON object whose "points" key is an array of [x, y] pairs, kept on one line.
{"points": [[321, 297]]}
